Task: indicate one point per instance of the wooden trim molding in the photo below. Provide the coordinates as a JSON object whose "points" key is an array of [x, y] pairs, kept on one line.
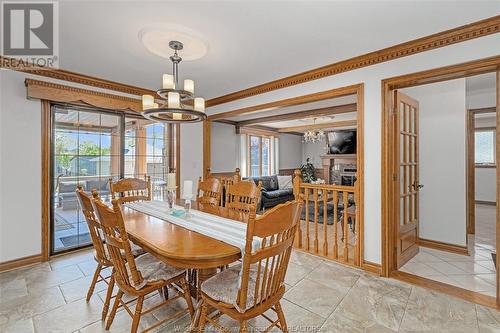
{"points": [[66, 94], [388, 190], [482, 202], [331, 110], [64, 75], [314, 97], [445, 38], [464, 294], [372, 267], [46, 179], [333, 124], [16, 263], [443, 246], [257, 130]]}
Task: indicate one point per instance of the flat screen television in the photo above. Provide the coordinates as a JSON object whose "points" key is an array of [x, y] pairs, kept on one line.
{"points": [[342, 142]]}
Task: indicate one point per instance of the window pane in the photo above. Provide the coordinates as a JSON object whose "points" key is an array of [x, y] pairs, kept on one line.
{"points": [[484, 148], [265, 156], [254, 156]]}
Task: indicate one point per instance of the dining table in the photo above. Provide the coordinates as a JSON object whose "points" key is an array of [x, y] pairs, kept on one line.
{"points": [[181, 247]]}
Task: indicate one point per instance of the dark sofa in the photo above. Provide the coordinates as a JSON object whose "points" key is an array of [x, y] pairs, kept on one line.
{"points": [[272, 195]]}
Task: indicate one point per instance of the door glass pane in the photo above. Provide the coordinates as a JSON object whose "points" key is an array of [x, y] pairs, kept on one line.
{"points": [[82, 145], [484, 147]]}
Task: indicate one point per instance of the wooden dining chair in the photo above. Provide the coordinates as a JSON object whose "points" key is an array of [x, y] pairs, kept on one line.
{"points": [[100, 253], [131, 189], [209, 192], [263, 272], [141, 276], [242, 199]]}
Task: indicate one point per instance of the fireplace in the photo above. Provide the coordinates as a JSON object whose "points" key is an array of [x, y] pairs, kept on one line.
{"points": [[339, 169]]}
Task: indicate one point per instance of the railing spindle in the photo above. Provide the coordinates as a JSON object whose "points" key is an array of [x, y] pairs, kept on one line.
{"points": [[306, 193], [346, 226], [315, 198], [325, 221], [335, 224]]}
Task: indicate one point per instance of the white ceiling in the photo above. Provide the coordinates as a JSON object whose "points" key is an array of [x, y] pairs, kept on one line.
{"points": [[481, 82], [248, 42]]}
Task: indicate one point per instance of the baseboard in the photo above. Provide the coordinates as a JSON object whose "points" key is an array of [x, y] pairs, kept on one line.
{"points": [[464, 294], [489, 203], [443, 246], [16, 263], [371, 267]]}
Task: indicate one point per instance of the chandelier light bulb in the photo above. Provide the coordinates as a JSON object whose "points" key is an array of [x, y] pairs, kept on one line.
{"points": [[199, 104], [147, 102], [189, 86], [174, 101], [168, 81]]}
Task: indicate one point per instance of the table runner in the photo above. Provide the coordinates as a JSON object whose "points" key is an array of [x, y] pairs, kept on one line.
{"points": [[226, 230]]}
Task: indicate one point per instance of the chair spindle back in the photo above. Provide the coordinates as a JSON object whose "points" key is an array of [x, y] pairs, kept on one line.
{"points": [[277, 228], [131, 189], [95, 227], [118, 245]]}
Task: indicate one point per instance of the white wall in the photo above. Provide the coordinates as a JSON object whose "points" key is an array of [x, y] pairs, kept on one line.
{"points": [[485, 184], [442, 154], [191, 153], [290, 151], [371, 77], [225, 148], [20, 169]]}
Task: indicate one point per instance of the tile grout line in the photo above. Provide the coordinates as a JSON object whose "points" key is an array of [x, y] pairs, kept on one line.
{"points": [[406, 307]]}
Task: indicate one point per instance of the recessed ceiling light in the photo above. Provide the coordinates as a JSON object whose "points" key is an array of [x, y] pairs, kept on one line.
{"points": [[156, 38]]}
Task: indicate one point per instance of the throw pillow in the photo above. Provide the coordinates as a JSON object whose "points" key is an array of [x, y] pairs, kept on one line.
{"points": [[285, 182]]}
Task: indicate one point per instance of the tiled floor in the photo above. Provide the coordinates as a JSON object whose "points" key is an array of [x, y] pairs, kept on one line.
{"points": [[475, 272], [321, 295]]}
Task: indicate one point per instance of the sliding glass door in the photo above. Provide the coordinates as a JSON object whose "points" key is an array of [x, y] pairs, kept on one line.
{"points": [[87, 151]]}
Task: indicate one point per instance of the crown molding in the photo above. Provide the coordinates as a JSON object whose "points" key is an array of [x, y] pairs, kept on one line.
{"points": [[445, 38], [64, 75], [65, 94]]}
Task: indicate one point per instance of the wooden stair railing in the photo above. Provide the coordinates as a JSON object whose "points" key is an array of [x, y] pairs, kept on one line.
{"points": [[337, 205]]}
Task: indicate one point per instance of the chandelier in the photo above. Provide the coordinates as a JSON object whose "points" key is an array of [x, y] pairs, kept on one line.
{"points": [[177, 105], [313, 136]]}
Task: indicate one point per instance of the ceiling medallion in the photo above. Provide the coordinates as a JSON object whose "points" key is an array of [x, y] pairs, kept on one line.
{"points": [[177, 105]]}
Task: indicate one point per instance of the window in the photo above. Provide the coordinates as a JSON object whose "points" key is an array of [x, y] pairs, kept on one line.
{"points": [[484, 146], [259, 162], [89, 147]]}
